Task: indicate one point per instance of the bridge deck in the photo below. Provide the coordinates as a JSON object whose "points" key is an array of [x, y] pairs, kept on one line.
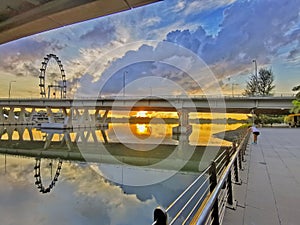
{"points": [[270, 193]]}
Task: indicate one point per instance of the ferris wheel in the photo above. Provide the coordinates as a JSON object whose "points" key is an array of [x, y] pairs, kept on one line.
{"points": [[38, 176], [61, 86]]}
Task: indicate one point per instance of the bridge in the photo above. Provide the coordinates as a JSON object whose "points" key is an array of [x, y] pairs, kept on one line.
{"points": [[84, 112]]}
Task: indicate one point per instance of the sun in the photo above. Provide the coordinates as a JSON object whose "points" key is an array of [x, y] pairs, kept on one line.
{"points": [[141, 114]]}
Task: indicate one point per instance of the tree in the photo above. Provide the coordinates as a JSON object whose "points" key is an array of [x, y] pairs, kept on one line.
{"points": [[265, 82], [251, 88], [296, 102], [297, 88], [260, 85]]}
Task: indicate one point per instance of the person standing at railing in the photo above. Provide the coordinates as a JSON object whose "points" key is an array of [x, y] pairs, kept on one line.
{"points": [[255, 133]]}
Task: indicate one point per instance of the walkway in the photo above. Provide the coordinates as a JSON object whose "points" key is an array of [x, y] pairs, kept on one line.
{"points": [[270, 190]]}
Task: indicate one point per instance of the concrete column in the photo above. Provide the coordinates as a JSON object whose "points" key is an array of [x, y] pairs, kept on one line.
{"points": [[30, 134], [2, 118], [68, 117], [10, 131], [50, 115], [22, 116], [2, 131], [85, 118], [104, 136], [93, 132], [68, 141], [11, 116], [104, 117], [32, 113], [20, 130], [183, 127], [48, 141]]}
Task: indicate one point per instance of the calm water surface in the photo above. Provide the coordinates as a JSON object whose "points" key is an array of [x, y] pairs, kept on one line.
{"points": [[114, 176]]}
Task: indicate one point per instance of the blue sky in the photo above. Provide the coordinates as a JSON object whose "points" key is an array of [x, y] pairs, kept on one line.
{"points": [[224, 35]]}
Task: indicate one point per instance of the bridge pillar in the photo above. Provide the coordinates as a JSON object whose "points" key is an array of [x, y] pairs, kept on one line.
{"points": [[2, 118], [67, 139], [68, 117], [50, 115], [20, 130], [48, 141], [183, 127], [104, 118], [10, 132], [32, 113], [11, 116], [85, 119], [2, 131], [22, 117]]}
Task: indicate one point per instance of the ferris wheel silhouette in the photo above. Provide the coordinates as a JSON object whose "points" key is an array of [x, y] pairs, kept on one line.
{"points": [[62, 85], [38, 175]]}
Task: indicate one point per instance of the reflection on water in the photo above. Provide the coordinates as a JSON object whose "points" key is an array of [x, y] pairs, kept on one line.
{"points": [[145, 133], [96, 176]]}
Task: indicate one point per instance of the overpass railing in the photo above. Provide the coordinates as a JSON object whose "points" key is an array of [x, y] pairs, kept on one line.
{"points": [[128, 97], [205, 200]]}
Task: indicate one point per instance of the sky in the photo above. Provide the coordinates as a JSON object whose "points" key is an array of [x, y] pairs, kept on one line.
{"points": [[173, 47]]}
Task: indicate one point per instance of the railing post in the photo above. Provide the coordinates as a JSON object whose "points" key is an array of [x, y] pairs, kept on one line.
{"points": [[213, 184], [240, 160], [160, 216], [236, 171], [229, 181]]}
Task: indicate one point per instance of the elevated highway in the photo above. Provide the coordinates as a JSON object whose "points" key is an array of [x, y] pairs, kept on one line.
{"points": [[78, 113], [266, 105]]}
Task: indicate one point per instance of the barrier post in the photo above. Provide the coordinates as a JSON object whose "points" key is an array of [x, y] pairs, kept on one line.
{"points": [[160, 216], [213, 184], [229, 181]]}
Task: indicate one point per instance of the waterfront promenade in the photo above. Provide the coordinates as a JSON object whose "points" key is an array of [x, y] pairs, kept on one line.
{"points": [[270, 190]]}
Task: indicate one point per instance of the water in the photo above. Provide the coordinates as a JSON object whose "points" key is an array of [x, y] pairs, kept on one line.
{"points": [[111, 176]]}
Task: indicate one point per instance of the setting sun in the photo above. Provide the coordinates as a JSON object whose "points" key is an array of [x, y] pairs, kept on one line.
{"points": [[141, 128]]}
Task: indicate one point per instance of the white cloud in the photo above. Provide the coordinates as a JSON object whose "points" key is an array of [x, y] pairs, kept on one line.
{"points": [[199, 6]]}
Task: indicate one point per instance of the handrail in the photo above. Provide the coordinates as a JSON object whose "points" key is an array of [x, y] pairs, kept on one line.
{"points": [[217, 180], [214, 195]]}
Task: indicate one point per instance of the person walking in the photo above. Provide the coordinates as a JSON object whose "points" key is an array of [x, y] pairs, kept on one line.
{"points": [[255, 133]]}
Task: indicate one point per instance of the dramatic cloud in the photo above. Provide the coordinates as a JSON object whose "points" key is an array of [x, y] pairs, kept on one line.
{"points": [[226, 34]]}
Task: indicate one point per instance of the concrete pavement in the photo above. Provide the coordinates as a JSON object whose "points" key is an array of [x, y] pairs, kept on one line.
{"points": [[270, 190]]}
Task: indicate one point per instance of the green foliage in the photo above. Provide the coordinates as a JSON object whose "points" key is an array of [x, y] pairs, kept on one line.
{"points": [[260, 85], [251, 88], [265, 82], [296, 106], [296, 103], [297, 88], [267, 119]]}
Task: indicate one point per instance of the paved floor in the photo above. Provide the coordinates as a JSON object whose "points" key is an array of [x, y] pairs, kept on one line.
{"points": [[270, 190]]}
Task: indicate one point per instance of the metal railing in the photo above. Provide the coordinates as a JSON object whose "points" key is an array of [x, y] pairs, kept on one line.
{"points": [[205, 200]]}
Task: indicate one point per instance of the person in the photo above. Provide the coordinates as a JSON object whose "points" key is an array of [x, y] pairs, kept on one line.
{"points": [[255, 133]]}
